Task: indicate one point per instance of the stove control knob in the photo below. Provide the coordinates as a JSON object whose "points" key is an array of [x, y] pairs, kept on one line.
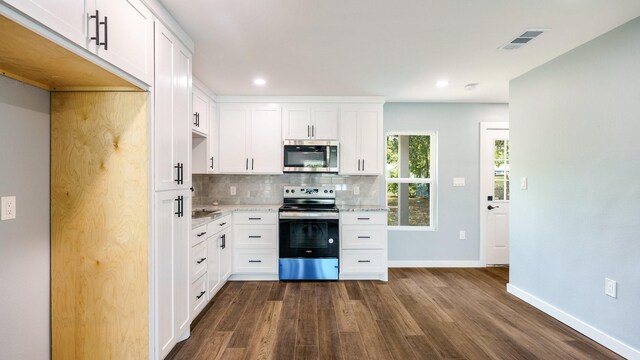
{"points": [[325, 191], [331, 191], [330, 241], [292, 191], [287, 191]]}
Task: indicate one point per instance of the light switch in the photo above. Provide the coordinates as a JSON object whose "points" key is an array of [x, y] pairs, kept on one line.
{"points": [[356, 190], [458, 181], [524, 183], [8, 208]]}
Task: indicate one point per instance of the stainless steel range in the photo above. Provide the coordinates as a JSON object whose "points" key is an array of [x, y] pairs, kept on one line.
{"points": [[309, 234]]}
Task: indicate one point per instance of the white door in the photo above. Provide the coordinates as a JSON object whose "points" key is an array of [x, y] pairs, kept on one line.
{"points": [[233, 138], [182, 112], [324, 119], [495, 193], [128, 35], [296, 122], [181, 269], [200, 117], [266, 140], [225, 255], [68, 18], [370, 136]]}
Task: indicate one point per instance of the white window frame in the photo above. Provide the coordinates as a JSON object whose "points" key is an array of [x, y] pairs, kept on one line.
{"points": [[432, 181]]}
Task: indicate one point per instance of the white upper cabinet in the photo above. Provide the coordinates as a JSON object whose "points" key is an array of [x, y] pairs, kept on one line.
{"points": [[213, 156], [119, 31], [66, 17], [172, 112], [315, 121], [200, 118], [250, 139], [127, 34], [361, 140]]}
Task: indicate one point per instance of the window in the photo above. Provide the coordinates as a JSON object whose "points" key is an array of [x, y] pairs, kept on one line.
{"points": [[410, 173]]}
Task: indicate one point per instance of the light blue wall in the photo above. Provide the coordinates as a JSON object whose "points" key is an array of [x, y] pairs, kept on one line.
{"points": [[575, 133], [24, 242], [458, 131]]}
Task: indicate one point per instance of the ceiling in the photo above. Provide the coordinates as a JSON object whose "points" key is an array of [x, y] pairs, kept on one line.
{"points": [[397, 49]]}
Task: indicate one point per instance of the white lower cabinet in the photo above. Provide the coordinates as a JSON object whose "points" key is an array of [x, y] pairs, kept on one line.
{"points": [[219, 254], [171, 249], [198, 295], [363, 245], [255, 243]]}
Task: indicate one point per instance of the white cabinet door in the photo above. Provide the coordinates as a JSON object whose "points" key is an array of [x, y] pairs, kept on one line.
{"points": [[266, 140], [324, 122], [128, 37], [225, 255], [172, 113], [370, 134], [349, 144], [171, 249], [66, 17], [200, 118], [213, 263], [233, 122], [296, 120], [213, 157]]}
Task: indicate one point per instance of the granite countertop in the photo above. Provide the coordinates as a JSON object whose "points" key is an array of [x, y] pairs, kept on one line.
{"points": [[351, 208], [226, 210]]}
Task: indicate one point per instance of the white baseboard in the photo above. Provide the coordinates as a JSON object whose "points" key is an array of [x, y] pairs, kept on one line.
{"points": [[435, 263], [589, 331]]}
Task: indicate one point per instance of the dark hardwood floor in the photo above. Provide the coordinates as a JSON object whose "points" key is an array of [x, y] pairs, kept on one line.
{"points": [[418, 314]]}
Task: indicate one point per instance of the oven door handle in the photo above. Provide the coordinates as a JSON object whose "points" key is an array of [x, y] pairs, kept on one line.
{"points": [[287, 215]]}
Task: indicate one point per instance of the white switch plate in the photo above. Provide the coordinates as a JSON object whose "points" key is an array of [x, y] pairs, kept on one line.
{"points": [[524, 183], [458, 181], [232, 190], [8, 208], [611, 288], [356, 190], [462, 235]]}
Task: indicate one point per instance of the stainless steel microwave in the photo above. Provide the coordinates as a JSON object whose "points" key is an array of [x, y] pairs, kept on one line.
{"points": [[310, 156]]}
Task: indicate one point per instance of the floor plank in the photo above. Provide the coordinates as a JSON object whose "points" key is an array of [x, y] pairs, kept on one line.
{"points": [[419, 314]]}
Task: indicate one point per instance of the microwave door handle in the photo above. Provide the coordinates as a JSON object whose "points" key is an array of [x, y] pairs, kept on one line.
{"points": [[328, 156]]}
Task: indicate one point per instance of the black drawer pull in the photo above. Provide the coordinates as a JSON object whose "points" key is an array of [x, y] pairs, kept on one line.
{"points": [[255, 261], [364, 261], [202, 233], [255, 218], [364, 218], [364, 237], [201, 294], [223, 224], [254, 236], [201, 260]]}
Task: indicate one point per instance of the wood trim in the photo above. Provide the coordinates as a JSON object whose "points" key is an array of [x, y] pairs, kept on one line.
{"points": [[99, 225], [593, 333]]}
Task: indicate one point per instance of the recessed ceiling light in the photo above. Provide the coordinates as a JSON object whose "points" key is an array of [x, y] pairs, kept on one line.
{"points": [[259, 81], [442, 83]]}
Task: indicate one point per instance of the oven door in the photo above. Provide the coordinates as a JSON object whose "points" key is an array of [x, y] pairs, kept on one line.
{"points": [[309, 237]]}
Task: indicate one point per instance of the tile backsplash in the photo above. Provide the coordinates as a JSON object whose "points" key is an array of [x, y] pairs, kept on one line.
{"points": [[267, 189]]}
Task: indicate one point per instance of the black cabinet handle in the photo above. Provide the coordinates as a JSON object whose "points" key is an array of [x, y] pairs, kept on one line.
{"points": [[251, 163], [179, 173], [358, 164], [202, 233], [195, 119], [223, 224], [212, 163], [201, 260], [180, 200], [224, 241], [255, 218], [97, 37], [246, 164], [364, 218], [255, 261], [364, 261], [491, 207], [254, 236], [106, 33], [362, 164], [313, 131], [201, 294], [364, 237], [308, 130]]}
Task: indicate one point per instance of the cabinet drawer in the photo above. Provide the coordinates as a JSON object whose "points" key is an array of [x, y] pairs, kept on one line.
{"points": [[219, 224], [258, 218], [256, 237], [362, 261], [198, 296], [198, 235], [199, 260], [364, 218], [364, 237], [256, 261]]}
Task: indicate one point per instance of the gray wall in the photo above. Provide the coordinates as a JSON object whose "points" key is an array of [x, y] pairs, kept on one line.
{"points": [[458, 131], [575, 133], [24, 242]]}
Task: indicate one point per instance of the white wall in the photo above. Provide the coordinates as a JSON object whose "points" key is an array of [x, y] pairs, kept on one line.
{"points": [[24, 242], [575, 133], [458, 128]]}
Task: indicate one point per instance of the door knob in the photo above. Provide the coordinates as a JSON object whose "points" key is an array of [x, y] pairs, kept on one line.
{"points": [[490, 207]]}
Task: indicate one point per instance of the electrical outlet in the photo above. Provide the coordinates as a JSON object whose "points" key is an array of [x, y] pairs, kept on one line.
{"points": [[8, 208], [232, 190], [462, 235], [459, 181], [356, 190], [611, 288]]}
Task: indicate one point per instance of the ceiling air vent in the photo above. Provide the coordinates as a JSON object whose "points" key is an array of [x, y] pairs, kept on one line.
{"points": [[523, 39]]}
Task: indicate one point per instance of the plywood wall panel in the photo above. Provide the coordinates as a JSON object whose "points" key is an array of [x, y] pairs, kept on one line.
{"points": [[99, 225]]}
